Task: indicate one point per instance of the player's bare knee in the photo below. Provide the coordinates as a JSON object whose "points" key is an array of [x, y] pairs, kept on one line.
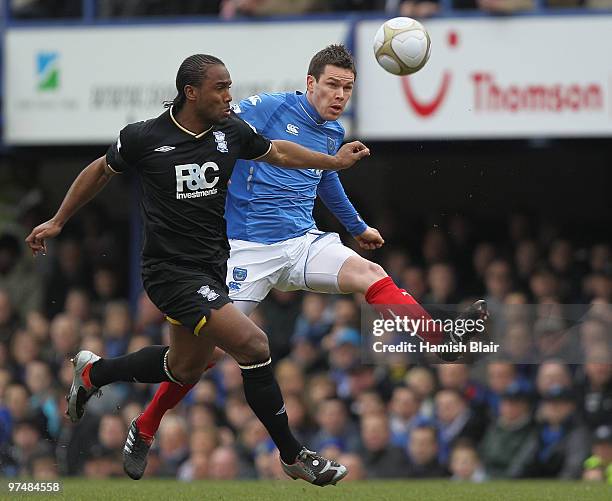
{"points": [[257, 348], [185, 371], [188, 375], [375, 271]]}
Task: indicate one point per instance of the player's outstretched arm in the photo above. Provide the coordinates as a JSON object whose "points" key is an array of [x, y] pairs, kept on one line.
{"points": [[87, 184], [293, 156]]}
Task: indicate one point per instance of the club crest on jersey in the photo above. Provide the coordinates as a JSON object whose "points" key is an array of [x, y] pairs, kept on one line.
{"points": [[331, 145], [207, 293], [240, 274], [220, 140]]}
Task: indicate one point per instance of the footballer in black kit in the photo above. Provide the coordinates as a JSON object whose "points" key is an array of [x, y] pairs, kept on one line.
{"points": [[184, 180]]}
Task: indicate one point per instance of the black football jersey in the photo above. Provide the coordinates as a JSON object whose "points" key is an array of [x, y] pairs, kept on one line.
{"points": [[184, 180]]}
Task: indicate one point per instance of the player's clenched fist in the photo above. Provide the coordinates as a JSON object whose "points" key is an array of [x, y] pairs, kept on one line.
{"points": [[351, 153]]}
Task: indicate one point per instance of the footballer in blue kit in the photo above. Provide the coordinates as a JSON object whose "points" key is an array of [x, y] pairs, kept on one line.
{"points": [[274, 240]]}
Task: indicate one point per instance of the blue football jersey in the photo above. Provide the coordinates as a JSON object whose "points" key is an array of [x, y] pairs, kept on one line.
{"points": [[269, 204]]}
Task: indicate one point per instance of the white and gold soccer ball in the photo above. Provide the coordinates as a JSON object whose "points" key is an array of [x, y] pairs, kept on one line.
{"points": [[402, 46]]}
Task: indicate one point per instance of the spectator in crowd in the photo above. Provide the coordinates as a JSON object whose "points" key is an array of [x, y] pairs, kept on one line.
{"points": [[9, 319], [44, 467], [149, 319], [261, 8], [314, 322], [423, 454], [368, 403], [45, 9], [69, 270], [600, 258], [498, 281], [356, 5], [413, 280], [117, 328], [223, 464], [598, 467], [129, 8], [105, 458], [65, 338], [562, 440], [501, 374], [78, 305], [106, 286], [442, 285], [526, 258], [281, 310], [465, 464], [195, 468], [595, 391], [455, 420], [299, 418], [495, 6], [457, 377], [19, 280], [543, 284], [173, 445], [553, 339], [381, 459], [25, 444], [518, 346], [319, 388], [43, 400], [421, 380], [413, 8], [483, 256], [344, 356], [252, 437], [403, 414], [552, 374], [335, 425], [506, 448]]}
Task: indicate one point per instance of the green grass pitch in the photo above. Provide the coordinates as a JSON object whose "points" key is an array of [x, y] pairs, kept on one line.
{"points": [[418, 490]]}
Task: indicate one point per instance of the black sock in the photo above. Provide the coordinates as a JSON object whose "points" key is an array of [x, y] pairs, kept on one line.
{"points": [[264, 396], [143, 366]]}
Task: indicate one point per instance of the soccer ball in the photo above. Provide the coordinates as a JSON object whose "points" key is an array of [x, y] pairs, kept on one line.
{"points": [[402, 46]]}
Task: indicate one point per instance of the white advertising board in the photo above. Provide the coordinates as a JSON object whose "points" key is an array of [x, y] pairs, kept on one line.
{"points": [[487, 78], [82, 85]]}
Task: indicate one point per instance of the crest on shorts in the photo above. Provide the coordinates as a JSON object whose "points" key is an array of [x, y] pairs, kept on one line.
{"points": [[220, 140], [240, 274], [331, 145], [207, 293]]}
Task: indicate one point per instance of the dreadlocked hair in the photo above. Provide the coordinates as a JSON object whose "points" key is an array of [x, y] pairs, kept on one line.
{"points": [[192, 71]]}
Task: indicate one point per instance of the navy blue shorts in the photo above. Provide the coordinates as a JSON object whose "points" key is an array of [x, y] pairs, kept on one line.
{"points": [[186, 296]]}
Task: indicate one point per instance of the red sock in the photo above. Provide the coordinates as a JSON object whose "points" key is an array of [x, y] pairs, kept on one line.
{"points": [[402, 304], [166, 397]]}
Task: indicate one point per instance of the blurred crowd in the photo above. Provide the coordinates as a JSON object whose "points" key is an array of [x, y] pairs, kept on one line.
{"points": [[486, 421], [229, 9]]}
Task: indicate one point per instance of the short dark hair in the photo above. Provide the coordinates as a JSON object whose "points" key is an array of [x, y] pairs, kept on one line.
{"points": [[336, 55], [192, 71]]}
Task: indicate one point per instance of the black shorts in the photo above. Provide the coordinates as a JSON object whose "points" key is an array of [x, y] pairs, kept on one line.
{"points": [[185, 295]]}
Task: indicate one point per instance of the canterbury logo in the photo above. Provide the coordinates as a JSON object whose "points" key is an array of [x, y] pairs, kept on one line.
{"points": [[164, 149], [293, 129], [282, 411]]}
